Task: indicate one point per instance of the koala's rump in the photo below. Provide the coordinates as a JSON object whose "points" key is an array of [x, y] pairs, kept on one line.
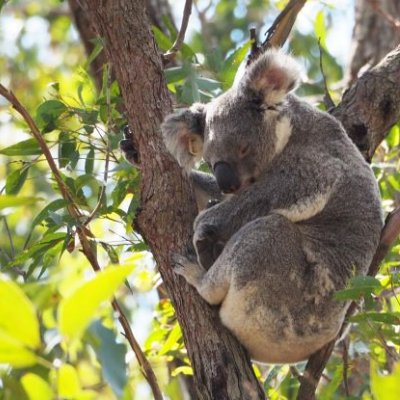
{"points": [[270, 305]]}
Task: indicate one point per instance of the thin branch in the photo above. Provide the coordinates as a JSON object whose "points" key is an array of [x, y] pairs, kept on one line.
{"points": [[85, 236], [171, 53], [318, 360], [329, 104], [281, 27], [378, 9]]}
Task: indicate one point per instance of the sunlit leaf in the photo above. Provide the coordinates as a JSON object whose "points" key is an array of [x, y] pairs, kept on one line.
{"points": [[18, 315], [385, 387], [76, 311], [184, 369], [14, 352], [68, 385], [172, 340], [15, 201], [36, 387], [163, 41], [320, 28]]}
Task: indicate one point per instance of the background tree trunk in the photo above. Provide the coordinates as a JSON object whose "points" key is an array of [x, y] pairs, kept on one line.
{"points": [[221, 366], [375, 33]]}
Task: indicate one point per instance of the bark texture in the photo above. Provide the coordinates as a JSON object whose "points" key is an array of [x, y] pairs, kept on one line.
{"points": [[372, 105], [221, 366], [375, 33]]}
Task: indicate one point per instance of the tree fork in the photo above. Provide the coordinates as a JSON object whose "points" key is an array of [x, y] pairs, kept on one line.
{"points": [[221, 365]]}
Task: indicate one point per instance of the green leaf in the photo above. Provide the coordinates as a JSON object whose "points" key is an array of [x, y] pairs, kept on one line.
{"points": [[184, 369], [176, 74], [53, 206], [28, 147], [231, 65], [112, 358], [386, 318], [19, 326], [36, 387], [48, 113], [76, 311], [89, 162], [16, 201], [385, 387], [320, 28], [162, 40], [67, 150], [359, 286], [16, 179], [98, 48]]}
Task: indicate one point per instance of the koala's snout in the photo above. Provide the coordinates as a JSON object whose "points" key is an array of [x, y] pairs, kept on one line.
{"points": [[226, 176]]}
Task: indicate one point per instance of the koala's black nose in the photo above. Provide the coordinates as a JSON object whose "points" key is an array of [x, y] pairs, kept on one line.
{"points": [[227, 179]]}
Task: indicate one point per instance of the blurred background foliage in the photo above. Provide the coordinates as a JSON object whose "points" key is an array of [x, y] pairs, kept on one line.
{"points": [[58, 335]]}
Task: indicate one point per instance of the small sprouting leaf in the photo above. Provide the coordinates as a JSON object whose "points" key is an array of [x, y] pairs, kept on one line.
{"points": [[183, 369], [28, 147], [320, 28], [19, 326], [172, 341], [48, 113], [36, 387], [98, 48], [76, 311], [16, 179], [15, 201], [112, 358]]}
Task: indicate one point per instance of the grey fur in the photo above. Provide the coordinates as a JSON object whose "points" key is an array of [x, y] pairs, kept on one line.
{"points": [[273, 253]]}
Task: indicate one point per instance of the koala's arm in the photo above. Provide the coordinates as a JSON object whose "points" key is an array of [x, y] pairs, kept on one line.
{"points": [[297, 190], [205, 188]]}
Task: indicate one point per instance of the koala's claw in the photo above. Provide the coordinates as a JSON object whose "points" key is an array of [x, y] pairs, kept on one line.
{"points": [[190, 270]]}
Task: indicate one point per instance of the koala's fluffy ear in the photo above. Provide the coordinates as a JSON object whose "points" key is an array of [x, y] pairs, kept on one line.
{"points": [[272, 76], [183, 135]]}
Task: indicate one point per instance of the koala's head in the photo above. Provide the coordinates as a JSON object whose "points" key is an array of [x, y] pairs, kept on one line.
{"points": [[241, 131]]}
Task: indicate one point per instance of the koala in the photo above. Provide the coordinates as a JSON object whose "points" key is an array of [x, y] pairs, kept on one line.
{"points": [[298, 213]]}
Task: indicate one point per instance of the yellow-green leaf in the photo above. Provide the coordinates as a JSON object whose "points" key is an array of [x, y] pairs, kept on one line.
{"points": [[76, 311], [14, 353], [68, 384], [320, 28], [385, 387], [14, 201], [36, 387], [18, 315]]}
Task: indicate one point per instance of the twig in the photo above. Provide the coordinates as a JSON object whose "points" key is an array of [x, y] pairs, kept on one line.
{"points": [[329, 104], [84, 234], [281, 27], [318, 360], [171, 53], [378, 9], [345, 367]]}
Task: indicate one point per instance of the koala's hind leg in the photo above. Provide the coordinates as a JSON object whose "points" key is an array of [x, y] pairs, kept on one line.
{"points": [[212, 285]]}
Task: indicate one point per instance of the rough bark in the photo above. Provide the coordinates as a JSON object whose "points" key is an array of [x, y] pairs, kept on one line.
{"points": [[221, 366], [372, 105], [375, 33]]}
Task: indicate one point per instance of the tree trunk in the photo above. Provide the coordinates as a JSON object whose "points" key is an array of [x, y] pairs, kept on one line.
{"points": [[376, 32], [221, 366]]}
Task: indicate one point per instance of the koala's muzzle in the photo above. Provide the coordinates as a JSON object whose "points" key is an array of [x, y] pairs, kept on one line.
{"points": [[227, 178]]}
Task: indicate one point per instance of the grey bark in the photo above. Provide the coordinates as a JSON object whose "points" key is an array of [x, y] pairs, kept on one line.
{"points": [[375, 33], [221, 366], [372, 104]]}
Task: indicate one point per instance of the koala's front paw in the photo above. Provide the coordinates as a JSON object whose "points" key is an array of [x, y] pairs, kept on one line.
{"points": [[207, 244], [190, 270], [127, 146]]}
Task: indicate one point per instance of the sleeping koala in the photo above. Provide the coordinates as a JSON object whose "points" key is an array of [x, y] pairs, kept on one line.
{"points": [[302, 217]]}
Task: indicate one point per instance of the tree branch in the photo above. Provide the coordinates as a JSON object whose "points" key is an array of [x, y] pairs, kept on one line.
{"points": [[372, 105], [84, 234], [171, 53]]}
